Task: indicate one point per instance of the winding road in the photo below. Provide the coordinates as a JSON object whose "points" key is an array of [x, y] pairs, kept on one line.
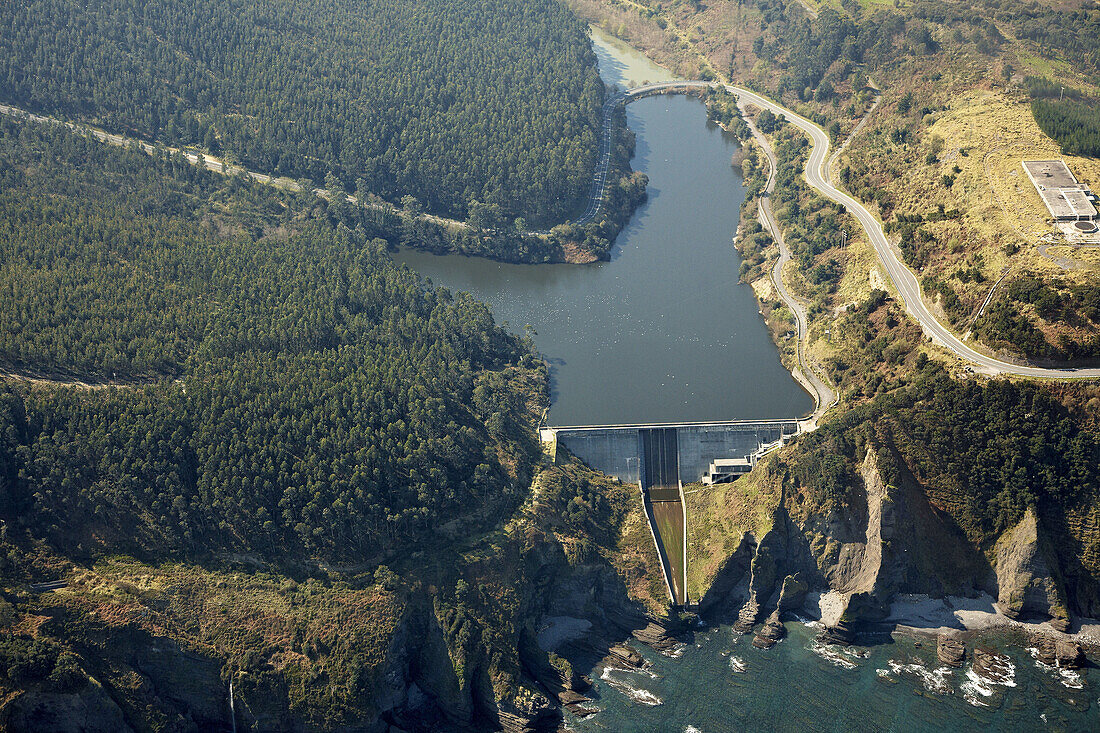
{"points": [[905, 281], [824, 395]]}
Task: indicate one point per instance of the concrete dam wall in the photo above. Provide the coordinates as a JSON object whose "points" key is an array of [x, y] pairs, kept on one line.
{"points": [[617, 449]]}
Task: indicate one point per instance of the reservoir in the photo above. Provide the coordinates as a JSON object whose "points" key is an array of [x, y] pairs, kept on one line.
{"points": [[665, 331]]}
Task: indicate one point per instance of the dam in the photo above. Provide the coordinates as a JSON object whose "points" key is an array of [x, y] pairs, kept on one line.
{"points": [[659, 458], [706, 452]]}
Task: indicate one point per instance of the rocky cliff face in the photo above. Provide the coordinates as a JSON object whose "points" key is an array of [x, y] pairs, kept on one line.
{"points": [[487, 638], [1028, 581], [883, 540], [86, 710]]}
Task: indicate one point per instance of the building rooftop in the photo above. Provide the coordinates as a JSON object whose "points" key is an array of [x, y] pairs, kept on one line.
{"points": [[1065, 197], [1080, 204], [1050, 173]]}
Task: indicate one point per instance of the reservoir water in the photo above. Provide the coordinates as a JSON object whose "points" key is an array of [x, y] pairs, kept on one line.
{"points": [[664, 331]]}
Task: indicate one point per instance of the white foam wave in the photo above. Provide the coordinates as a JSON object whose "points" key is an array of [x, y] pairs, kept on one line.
{"points": [[638, 695], [833, 654], [692, 729], [975, 688], [808, 622], [675, 652], [737, 664], [934, 680]]}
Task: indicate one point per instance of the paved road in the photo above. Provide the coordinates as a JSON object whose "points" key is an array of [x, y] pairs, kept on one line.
{"points": [[908, 287], [599, 179], [824, 396]]}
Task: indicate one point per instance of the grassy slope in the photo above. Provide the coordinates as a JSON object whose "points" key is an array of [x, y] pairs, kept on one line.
{"points": [[985, 133], [718, 516], [669, 518]]}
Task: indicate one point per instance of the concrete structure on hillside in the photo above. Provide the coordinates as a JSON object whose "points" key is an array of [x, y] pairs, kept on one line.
{"points": [[659, 459], [1066, 198], [706, 451]]}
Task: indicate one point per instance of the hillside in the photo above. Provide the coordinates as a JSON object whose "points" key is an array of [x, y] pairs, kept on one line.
{"points": [[360, 406], [436, 99], [238, 444], [928, 483]]}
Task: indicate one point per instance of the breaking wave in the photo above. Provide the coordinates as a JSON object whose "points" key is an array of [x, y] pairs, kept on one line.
{"points": [[638, 695], [934, 680]]}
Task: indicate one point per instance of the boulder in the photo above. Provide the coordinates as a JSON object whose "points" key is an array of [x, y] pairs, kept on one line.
{"points": [[993, 666], [623, 654], [1063, 653], [1068, 654]]}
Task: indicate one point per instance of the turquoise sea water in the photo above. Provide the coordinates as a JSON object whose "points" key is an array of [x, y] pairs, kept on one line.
{"points": [[720, 682]]}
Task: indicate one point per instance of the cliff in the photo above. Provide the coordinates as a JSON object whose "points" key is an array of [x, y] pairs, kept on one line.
{"points": [[878, 536], [484, 635], [1027, 580], [882, 539]]}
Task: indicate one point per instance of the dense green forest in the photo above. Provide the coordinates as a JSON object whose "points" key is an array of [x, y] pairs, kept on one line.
{"points": [[452, 102], [1072, 124], [301, 393], [1066, 115], [985, 451]]}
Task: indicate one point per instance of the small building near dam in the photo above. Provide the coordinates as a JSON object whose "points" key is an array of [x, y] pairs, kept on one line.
{"points": [[1066, 198]]}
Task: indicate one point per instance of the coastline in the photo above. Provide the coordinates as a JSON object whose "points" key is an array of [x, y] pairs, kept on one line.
{"points": [[921, 616]]}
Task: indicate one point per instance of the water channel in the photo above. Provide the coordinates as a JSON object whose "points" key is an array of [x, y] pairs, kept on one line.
{"points": [[664, 331]]}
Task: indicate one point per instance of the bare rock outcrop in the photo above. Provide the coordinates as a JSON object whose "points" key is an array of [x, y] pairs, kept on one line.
{"points": [[770, 633], [622, 654], [951, 650], [86, 710], [1057, 652], [656, 637], [1027, 580], [1068, 654], [841, 634], [792, 596], [746, 618], [992, 665]]}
